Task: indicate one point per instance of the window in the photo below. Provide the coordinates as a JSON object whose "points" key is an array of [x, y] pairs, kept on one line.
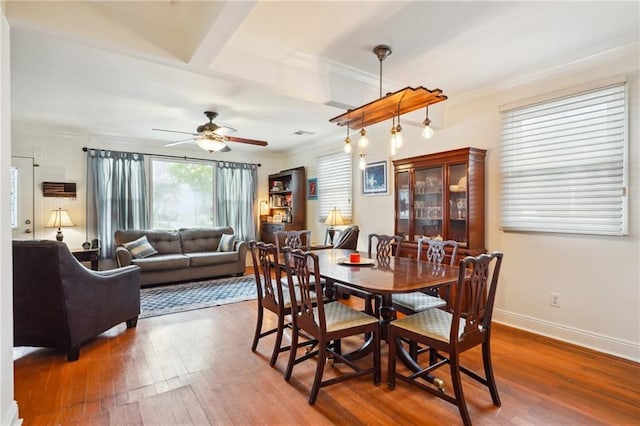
{"points": [[335, 185], [181, 194], [563, 164]]}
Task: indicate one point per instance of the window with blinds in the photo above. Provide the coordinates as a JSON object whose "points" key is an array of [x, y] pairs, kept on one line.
{"points": [[564, 164], [335, 185]]}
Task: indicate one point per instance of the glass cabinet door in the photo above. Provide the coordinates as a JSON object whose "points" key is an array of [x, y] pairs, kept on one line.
{"points": [[428, 203], [458, 204], [402, 204]]}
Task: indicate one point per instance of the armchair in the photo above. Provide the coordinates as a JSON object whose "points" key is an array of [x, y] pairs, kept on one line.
{"points": [[59, 303]]}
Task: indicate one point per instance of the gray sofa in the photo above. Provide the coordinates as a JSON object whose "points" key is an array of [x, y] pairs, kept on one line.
{"points": [[183, 255]]}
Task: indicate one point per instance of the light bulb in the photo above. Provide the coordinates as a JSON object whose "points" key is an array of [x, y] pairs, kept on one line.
{"points": [[363, 142], [427, 132], [362, 163], [393, 141], [347, 145], [399, 140]]}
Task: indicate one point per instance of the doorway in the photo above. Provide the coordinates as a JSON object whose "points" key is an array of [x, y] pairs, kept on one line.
{"points": [[22, 201]]}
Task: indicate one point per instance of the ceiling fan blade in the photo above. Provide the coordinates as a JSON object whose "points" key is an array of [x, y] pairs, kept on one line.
{"points": [[175, 131], [179, 142], [247, 141]]}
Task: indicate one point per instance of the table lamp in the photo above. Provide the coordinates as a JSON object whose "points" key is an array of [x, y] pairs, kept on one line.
{"points": [[58, 219], [334, 218]]}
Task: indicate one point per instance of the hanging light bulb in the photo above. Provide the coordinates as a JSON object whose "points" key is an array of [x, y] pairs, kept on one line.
{"points": [[393, 136], [347, 142], [362, 163], [399, 140], [427, 131], [363, 142]]}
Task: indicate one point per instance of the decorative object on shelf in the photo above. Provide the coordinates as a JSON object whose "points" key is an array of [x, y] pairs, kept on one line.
{"points": [[333, 219], [59, 218], [393, 105], [86, 245], [312, 189], [374, 178], [278, 218]]}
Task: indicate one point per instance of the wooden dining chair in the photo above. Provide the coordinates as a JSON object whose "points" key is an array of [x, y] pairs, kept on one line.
{"points": [[271, 296], [328, 323], [385, 245], [409, 303], [300, 239], [466, 325]]}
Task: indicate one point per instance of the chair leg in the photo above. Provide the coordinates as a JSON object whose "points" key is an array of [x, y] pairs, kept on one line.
{"points": [[454, 361], [413, 350], [278, 343], [488, 372], [73, 353], [391, 379], [377, 375], [132, 322], [292, 353], [256, 336], [317, 381]]}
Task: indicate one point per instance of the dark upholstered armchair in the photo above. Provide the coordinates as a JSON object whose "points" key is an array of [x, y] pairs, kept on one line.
{"points": [[59, 303]]}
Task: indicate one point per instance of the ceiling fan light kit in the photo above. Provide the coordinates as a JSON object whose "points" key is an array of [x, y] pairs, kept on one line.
{"points": [[210, 136], [393, 104]]}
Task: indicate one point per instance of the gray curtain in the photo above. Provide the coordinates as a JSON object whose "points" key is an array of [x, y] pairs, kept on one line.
{"points": [[117, 183], [236, 189]]}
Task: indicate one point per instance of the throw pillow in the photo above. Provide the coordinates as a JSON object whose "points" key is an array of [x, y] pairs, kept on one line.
{"points": [[227, 242], [140, 248]]}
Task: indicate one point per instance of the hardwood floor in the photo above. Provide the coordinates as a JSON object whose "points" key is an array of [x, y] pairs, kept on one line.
{"points": [[197, 368]]}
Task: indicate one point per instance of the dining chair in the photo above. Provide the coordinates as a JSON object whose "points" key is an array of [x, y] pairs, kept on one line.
{"points": [[409, 303], [454, 331], [300, 239], [270, 296], [328, 323], [385, 245]]}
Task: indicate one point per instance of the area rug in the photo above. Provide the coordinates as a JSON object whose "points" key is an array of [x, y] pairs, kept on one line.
{"points": [[195, 295]]}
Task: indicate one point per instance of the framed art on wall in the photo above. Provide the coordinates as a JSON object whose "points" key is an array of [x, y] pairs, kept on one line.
{"points": [[312, 189], [374, 178]]}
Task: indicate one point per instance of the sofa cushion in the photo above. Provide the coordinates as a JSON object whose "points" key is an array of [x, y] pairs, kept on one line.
{"points": [[213, 258], [162, 262], [140, 248], [227, 242], [166, 242], [196, 240]]}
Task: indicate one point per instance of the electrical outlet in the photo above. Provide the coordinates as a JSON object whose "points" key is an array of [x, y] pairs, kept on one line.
{"points": [[554, 300]]}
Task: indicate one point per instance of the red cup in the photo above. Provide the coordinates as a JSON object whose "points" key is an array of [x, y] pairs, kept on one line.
{"points": [[354, 258]]}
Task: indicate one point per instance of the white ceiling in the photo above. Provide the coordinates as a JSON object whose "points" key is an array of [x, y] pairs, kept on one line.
{"points": [[272, 68]]}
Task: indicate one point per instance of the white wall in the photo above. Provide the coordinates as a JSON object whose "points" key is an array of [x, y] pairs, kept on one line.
{"points": [[598, 278], [8, 406]]}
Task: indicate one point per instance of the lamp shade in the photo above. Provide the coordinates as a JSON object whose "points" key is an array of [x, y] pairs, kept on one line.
{"points": [[210, 144], [59, 218], [334, 218]]}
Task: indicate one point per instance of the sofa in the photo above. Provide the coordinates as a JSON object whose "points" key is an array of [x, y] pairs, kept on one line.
{"points": [[59, 303], [183, 255]]}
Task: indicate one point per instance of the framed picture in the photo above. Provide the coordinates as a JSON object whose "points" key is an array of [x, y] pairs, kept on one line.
{"points": [[374, 178], [312, 189]]}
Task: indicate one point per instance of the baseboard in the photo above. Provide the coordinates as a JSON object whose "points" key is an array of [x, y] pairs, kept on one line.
{"points": [[618, 347], [11, 416]]}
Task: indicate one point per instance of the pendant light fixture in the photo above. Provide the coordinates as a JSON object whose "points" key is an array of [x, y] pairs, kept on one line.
{"points": [[393, 136], [347, 143], [427, 131], [399, 140], [363, 142]]}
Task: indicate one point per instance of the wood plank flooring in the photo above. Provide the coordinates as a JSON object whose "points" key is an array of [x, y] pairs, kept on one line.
{"points": [[197, 368]]}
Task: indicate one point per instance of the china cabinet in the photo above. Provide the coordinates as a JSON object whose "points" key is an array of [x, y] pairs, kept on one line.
{"points": [[286, 203], [441, 195]]}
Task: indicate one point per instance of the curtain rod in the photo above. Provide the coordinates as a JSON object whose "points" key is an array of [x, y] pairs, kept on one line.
{"points": [[85, 149]]}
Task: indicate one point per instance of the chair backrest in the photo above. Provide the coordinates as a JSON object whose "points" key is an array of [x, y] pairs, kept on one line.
{"points": [[303, 274], [348, 238], [265, 267], [384, 245], [293, 239], [436, 250], [475, 296]]}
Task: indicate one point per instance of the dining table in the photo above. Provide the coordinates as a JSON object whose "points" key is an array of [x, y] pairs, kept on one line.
{"points": [[382, 277]]}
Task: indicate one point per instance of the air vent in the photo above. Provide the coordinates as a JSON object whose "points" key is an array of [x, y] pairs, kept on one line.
{"points": [[303, 132]]}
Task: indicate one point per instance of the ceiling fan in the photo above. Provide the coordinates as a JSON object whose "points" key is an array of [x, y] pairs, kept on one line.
{"points": [[211, 136]]}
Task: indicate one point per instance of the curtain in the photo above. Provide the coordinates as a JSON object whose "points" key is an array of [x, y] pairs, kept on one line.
{"points": [[117, 181], [236, 194]]}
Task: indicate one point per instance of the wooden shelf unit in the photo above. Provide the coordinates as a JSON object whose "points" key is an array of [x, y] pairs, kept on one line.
{"points": [[286, 198]]}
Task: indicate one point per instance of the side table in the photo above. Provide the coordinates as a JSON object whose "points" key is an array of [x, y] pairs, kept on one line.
{"points": [[88, 255]]}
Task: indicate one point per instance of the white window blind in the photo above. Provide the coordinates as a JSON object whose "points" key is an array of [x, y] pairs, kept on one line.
{"points": [[563, 164], [335, 185]]}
